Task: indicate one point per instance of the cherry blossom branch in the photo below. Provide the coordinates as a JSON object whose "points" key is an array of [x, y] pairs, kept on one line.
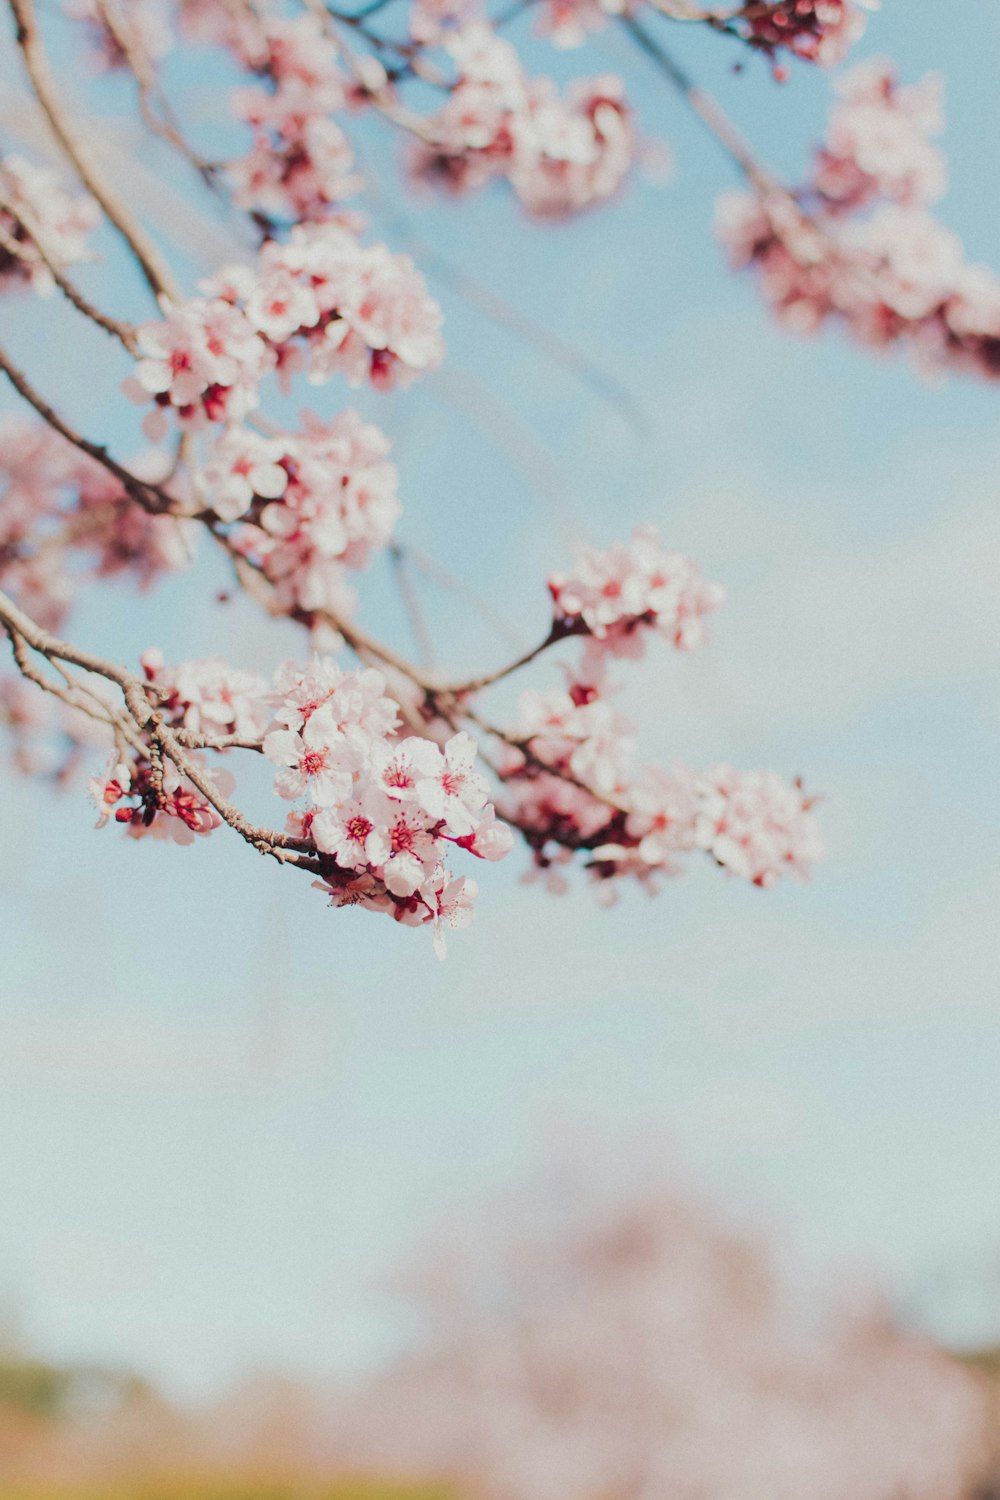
{"points": [[446, 701], [154, 267], [165, 124], [711, 114], [372, 79], [123, 332], [30, 673], [149, 719], [476, 684]]}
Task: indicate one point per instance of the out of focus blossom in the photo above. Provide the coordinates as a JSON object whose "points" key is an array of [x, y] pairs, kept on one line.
{"points": [[628, 1343], [858, 244], [33, 203], [560, 153]]}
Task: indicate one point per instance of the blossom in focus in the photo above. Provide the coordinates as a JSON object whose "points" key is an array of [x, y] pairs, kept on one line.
{"points": [[616, 595]]}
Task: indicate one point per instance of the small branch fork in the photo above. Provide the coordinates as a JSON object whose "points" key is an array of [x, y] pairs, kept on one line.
{"points": [[140, 723]]}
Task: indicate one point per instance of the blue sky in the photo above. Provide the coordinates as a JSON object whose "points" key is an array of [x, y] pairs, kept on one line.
{"points": [[225, 1111]]}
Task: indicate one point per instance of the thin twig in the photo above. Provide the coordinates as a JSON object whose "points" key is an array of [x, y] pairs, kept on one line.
{"points": [[123, 332], [154, 268], [151, 497], [148, 719]]}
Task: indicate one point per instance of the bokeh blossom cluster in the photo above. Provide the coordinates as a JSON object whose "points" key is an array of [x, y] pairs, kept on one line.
{"points": [[820, 31], [66, 522], [311, 505], [35, 207], [559, 154], [629, 1342], [859, 245]]}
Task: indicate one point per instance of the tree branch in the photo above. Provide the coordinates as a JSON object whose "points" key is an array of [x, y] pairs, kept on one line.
{"points": [[154, 268]]}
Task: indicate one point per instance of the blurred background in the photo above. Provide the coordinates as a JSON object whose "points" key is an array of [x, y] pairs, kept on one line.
{"points": [[693, 1197]]}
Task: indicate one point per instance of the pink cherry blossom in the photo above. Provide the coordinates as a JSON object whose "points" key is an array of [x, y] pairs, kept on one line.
{"points": [[560, 154], [402, 766], [338, 505], [243, 465], [820, 31], [320, 761], [204, 361], [616, 595], [210, 697], [878, 141], [413, 850], [451, 900], [866, 252], [362, 311], [453, 792], [108, 790], [354, 832], [301, 690], [756, 825]]}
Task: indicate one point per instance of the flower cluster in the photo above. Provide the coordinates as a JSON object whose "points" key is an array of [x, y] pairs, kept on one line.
{"points": [[209, 700], [893, 274], [34, 207], [150, 796], [559, 154], [616, 597], [63, 517], [575, 790], [570, 783], [208, 696], [379, 813], [821, 31], [360, 310], [203, 361], [384, 810], [319, 502], [879, 142], [301, 163]]}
